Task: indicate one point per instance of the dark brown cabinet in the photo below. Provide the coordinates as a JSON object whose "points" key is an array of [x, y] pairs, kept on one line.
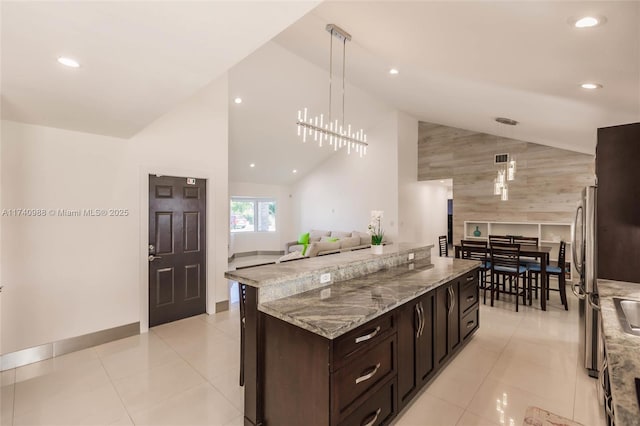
{"points": [[366, 376], [618, 209], [415, 346], [447, 321]]}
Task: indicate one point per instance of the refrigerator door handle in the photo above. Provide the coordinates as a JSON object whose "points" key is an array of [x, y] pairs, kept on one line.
{"points": [[579, 294], [593, 305], [574, 245]]}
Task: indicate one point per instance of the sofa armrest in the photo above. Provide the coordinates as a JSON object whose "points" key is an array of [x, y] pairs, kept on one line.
{"points": [[288, 245]]}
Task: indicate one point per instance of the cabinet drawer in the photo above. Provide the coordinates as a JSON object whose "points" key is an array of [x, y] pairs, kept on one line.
{"points": [[377, 409], [363, 372], [369, 333], [469, 323], [468, 295], [469, 279]]}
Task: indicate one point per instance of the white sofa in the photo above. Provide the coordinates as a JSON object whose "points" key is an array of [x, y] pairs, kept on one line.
{"points": [[320, 244]]}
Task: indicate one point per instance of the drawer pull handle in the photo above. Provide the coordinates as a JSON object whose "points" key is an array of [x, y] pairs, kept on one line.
{"points": [[470, 298], [367, 376], [470, 278], [373, 420], [368, 336], [470, 324]]}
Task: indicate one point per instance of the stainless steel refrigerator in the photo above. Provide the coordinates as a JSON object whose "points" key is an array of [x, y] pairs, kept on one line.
{"points": [[607, 230], [586, 289]]}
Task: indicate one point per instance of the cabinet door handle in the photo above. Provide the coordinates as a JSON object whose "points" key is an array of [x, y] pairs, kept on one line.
{"points": [[419, 316], [452, 297], [470, 298], [603, 371], [373, 417], [369, 375], [368, 336], [608, 406], [470, 324], [470, 278]]}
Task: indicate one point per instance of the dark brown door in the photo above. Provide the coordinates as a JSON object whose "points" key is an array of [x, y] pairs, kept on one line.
{"points": [[177, 274]]}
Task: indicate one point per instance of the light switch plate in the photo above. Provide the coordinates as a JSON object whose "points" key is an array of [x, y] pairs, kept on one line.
{"points": [[411, 256], [325, 278]]}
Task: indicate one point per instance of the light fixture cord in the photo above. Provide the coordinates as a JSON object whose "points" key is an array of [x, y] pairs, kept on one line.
{"points": [[330, 70], [344, 51]]}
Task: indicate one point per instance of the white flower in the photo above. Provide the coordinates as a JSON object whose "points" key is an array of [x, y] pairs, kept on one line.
{"points": [[376, 215]]}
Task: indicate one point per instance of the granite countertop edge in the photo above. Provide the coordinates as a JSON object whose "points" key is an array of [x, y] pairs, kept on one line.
{"points": [[308, 265], [622, 351], [351, 325]]}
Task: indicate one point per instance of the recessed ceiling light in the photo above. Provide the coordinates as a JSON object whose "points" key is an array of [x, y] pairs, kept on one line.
{"points": [[591, 86], [586, 22], [252, 165], [294, 171], [507, 121], [441, 181], [68, 62], [393, 71], [238, 100]]}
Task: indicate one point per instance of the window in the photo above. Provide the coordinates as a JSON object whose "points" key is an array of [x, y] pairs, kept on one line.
{"points": [[252, 215]]}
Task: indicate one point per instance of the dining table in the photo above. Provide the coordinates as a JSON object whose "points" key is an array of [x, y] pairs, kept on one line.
{"points": [[536, 252]]}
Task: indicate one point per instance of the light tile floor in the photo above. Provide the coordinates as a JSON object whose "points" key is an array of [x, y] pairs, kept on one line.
{"points": [[186, 373]]}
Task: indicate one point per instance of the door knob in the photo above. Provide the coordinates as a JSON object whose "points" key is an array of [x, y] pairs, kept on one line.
{"points": [[152, 257]]}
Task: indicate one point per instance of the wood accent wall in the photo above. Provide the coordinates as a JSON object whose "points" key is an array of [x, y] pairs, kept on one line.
{"points": [[547, 186]]}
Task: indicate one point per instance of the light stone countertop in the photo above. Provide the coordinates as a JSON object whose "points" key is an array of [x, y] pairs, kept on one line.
{"points": [[623, 351], [268, 275], [340, 307]]}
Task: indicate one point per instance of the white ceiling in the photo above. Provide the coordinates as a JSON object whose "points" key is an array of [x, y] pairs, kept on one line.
{"points": [[465, 63], [461, 64], [138, 58]]}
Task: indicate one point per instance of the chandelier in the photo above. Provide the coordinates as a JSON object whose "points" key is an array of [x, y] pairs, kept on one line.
{"points": [[506, 167], [336, 133]]}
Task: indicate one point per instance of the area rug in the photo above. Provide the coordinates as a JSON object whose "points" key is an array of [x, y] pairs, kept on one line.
{"points": [[535, 416]]}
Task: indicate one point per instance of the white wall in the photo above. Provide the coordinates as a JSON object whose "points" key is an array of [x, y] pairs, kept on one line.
{"points": [[409, 206], [342, 191], [242, 242], [422, 206], [68, 276], [432, 205], [192, 141]]}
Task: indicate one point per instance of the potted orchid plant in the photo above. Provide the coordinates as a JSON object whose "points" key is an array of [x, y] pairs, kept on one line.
{"points": [[376, 232]]}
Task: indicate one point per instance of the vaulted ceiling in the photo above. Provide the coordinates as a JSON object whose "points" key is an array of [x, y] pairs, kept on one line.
{"points": [[460, 64], [138, 58]]}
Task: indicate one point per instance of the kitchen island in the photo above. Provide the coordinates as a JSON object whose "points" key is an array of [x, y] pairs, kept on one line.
{"points": [[621, 349], [356, 349]]}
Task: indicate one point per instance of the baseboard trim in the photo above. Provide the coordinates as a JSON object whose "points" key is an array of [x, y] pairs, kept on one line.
{"points": [[222, 306], [256, 253], [65, 346]]}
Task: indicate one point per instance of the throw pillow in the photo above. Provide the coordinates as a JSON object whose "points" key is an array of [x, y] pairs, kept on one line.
{"points": [[303, 238], [365, 239], [329, 239], [349, 242], [315, 235]]}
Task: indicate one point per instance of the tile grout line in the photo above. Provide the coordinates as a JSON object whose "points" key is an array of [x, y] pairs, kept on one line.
{"points": [[198, 372], [114, 386], [488, 374]]}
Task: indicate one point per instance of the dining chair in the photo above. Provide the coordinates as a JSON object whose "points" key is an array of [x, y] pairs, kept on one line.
{"points": [[505, 262], [503, 239], [559, 271], [477, 250], [444, 246]]}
